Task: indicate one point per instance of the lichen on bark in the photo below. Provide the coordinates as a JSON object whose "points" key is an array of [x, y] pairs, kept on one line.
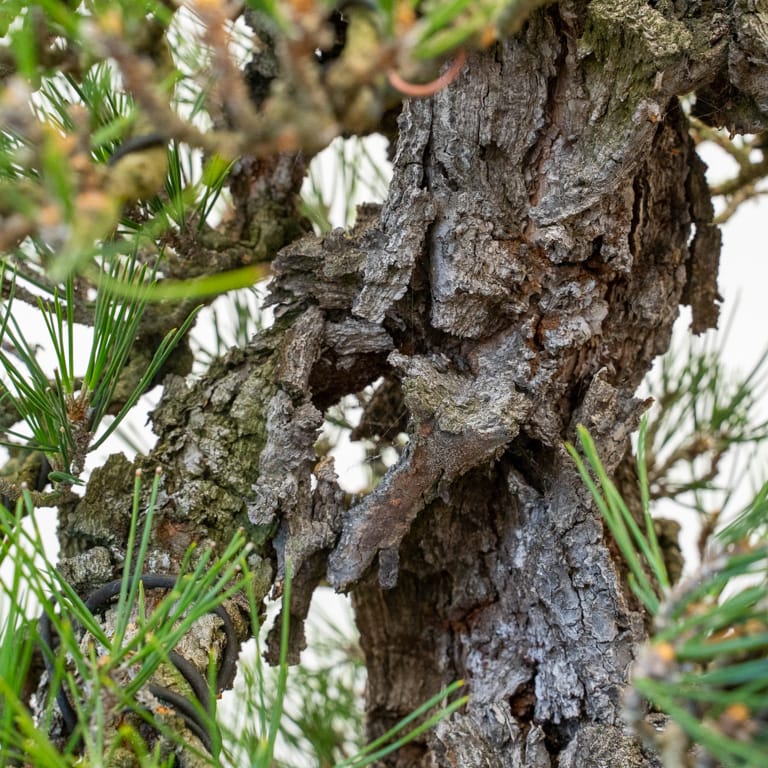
{"points": [[546, 218]]}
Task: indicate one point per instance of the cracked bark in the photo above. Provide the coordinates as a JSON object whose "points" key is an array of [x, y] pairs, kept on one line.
{"points": [[546, 218]]}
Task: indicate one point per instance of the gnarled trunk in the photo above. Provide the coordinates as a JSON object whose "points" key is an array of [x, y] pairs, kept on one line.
{"points": [[547, 216], [536, 244]]}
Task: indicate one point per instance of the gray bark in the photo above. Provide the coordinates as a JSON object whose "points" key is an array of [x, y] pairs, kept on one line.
{"points": [[547, 216]]}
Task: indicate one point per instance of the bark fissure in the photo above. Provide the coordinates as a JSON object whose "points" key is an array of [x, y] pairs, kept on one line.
{"points": [[546, 218], [566, 333]]}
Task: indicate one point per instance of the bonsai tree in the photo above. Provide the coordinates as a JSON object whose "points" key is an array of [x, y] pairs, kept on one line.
{"points": [[546, 217]]}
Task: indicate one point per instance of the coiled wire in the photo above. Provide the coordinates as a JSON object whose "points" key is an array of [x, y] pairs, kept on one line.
{"points": [[97, 603]]}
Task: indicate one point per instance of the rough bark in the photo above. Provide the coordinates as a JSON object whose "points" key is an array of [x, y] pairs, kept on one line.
{"points": [[546, 218], [554, 191]]}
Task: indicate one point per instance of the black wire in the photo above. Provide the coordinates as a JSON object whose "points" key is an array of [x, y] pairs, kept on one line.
{"points": [[137, 144], [68, 713], [230, 654], [196, 681], [100, 599], [186, 709], [98, 602]]}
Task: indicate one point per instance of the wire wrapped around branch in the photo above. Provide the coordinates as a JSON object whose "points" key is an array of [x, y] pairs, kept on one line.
{"points": [[97, 603]]}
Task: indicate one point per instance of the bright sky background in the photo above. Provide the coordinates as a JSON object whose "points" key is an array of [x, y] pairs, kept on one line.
{"points": [[743, 276], [742, 281]]}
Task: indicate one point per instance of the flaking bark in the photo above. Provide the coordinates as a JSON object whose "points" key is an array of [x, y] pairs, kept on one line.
{"points": [[547, 216]]}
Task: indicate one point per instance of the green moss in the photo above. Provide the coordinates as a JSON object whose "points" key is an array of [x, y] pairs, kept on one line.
{"points": [[634, 39]]}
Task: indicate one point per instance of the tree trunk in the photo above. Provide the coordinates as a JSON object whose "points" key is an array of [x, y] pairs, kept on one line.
{"points": [[554, 189], [547, 216]]}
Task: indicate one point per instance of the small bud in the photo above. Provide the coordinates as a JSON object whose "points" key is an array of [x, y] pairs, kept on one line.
{"points": [[665, 652]]}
